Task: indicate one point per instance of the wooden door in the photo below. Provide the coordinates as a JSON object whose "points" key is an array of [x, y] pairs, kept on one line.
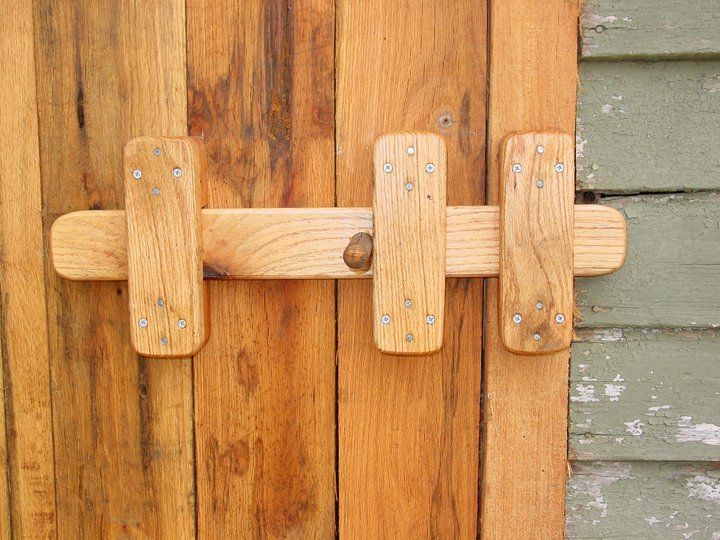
{"points": [[289, 423]]}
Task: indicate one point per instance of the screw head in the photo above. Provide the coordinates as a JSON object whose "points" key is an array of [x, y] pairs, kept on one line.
{"points": [[517, 318], [430, 167], [182, 324], [430, 319], [156, 191], [387, 168], [540, 149], [559, 318], [177, 172], [409, 186], [517, 168], [407, 303], [409, 338], [559, 167], [142, 323], [137, 174], [536, 337], [160, 302], [411, 150], [163, 341], [157, 151], [539, 305], [385, 319], [539, 184]]}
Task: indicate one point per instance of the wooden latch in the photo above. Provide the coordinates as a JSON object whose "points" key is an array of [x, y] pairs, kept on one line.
{"points": [[165, 244]]}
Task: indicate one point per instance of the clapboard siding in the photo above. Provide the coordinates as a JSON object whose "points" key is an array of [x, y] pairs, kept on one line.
{"points": [[671, 276], [643, 500], [650, 29], [645, 395], [649, 126]]}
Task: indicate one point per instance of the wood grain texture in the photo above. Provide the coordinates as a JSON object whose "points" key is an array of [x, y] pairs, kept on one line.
{"points": [[309, 243], [409, 226], [261, 95], [408, 436], [29, 476], [533, 46], [163, 199], [122, 425], [5, 523], [647, 126], [645, 395], [537, 216], [624, 29]]}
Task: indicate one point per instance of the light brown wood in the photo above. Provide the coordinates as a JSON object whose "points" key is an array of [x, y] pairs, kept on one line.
{"points": [[537, 193], [5, 527], [261, 95], [29, 476], [533, 74], [109, 71], [308, 243], [163, 200], [408, 427], [409, 220]]}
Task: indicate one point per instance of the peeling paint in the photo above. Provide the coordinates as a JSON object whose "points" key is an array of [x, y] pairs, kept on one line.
{"points": [[614, 391], [635, 427], [691, 432], [586, 393], [705, 488]]}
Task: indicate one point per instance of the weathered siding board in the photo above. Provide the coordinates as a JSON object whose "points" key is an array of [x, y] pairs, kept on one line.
{"points": [[650, 29], [671, 277], [643, 500], [645, 395], [648, 126]]}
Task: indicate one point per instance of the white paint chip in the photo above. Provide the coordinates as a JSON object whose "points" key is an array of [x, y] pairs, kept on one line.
{"points": [[586, 394], [688, 431], [704, 488], [635, 427]]}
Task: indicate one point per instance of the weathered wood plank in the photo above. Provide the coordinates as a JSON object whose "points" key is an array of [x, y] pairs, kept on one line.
{"points": [[650, 30], [28, 420], [261, 94], [533, 46], [670, 277], [122, 425], [5, 525], [643, 500], [645, 395], [408, 437], [648, 126]]}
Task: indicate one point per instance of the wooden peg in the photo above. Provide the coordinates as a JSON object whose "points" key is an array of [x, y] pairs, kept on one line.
{"points": [[409, 243], [537, 188], [163, 201], [358, 253]]}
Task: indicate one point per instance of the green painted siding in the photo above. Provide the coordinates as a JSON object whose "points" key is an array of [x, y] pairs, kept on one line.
{"points": [[649, 126], [645, 395], [650, 28], [644, 500]]}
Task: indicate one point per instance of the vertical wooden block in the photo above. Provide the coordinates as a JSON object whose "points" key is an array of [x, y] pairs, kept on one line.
{"points": [[537, 190], [163, 201], [409, 245]]}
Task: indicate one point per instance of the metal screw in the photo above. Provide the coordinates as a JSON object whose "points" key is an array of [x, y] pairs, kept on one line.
{"points": [[559, 318], [385, 319], [559, 167], [137, 174], [408, 303], [163, 341], [540, 149], [539, 184], [411, 150], [409, 186], [430, 168], [517, 318], [182, 323], [536, 337], [157, 152], [387, 168], [430, 319], [409, 338], [156, 191], [517, 168], [142, 323], [177, 172], [161, 302], [539, 305]]}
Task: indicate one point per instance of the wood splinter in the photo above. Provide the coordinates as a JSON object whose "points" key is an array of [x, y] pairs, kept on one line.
{"points": [[358, 253]]}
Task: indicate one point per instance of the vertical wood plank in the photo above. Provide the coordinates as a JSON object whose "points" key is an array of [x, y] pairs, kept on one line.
{"points": [[108, 71], [261, 94], [408, 436], [533, 73], [28, 421], [5, 525]]}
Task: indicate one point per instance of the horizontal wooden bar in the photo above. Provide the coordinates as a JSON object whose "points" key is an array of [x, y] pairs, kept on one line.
{"points": [[308, 243]]}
